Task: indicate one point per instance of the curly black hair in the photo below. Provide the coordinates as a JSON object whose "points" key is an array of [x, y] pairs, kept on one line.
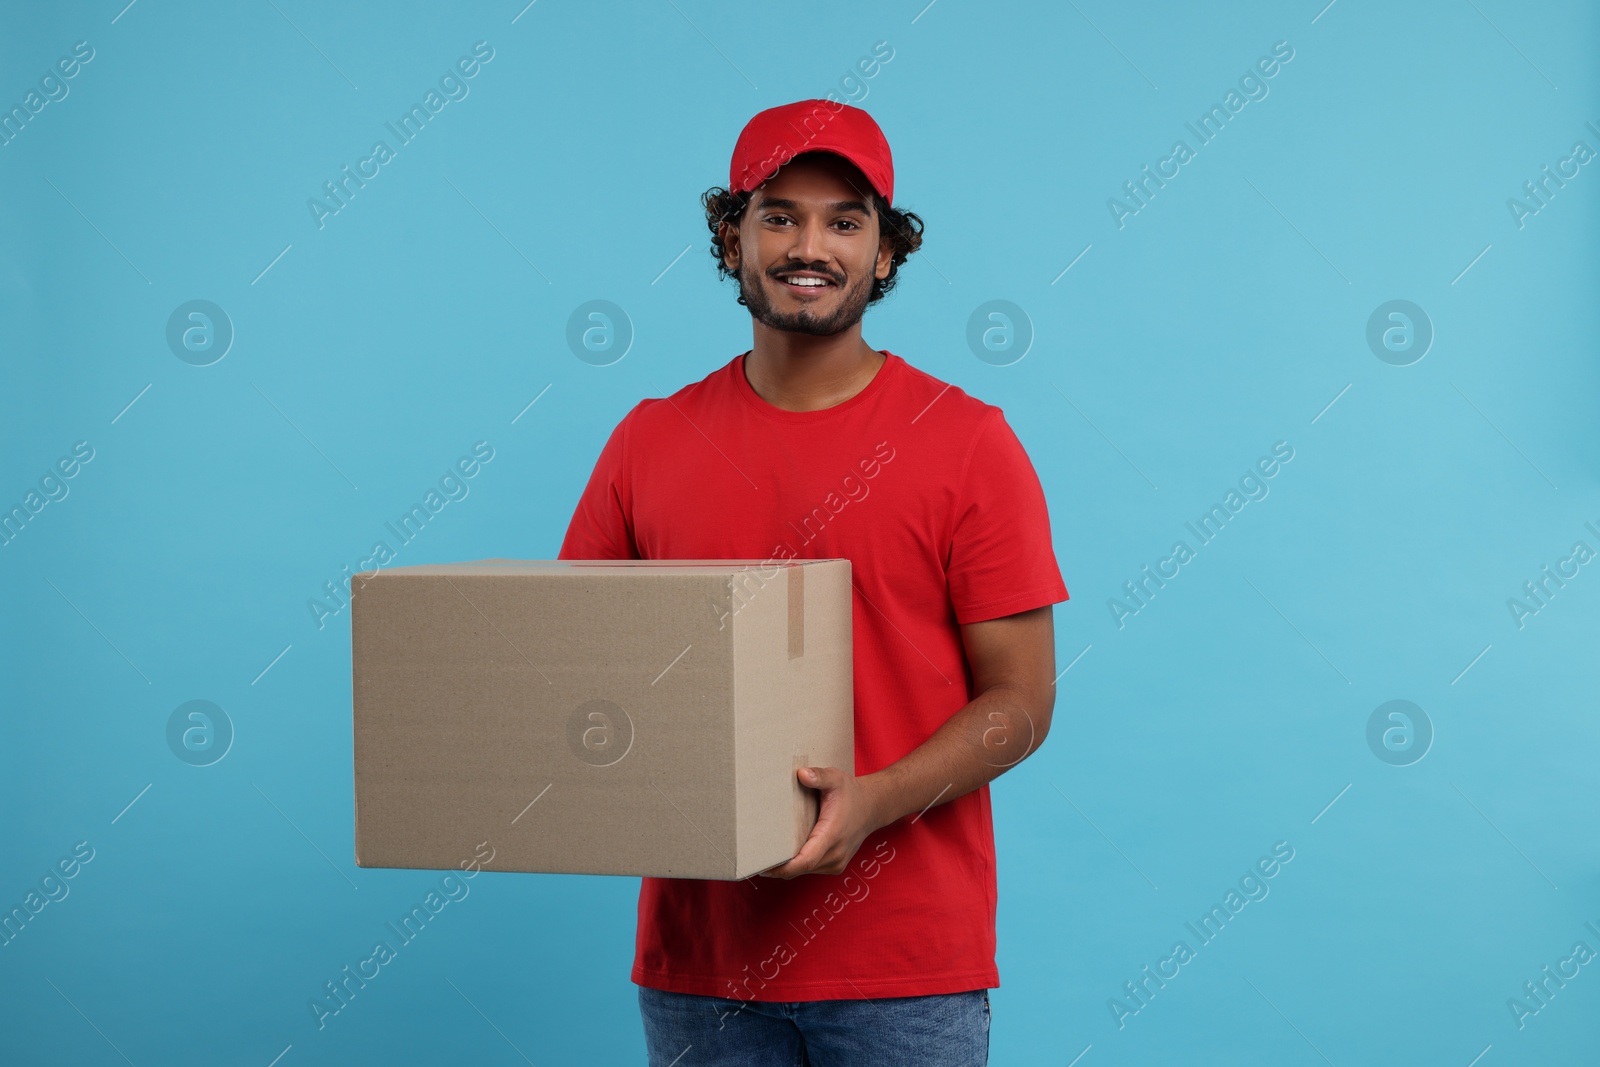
{"points": [[902, 229]]}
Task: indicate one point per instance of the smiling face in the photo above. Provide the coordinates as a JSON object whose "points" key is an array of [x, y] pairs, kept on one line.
{"points": [[808, 247]]}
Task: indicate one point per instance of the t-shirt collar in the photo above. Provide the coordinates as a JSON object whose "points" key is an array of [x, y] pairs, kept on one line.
{"points": [[891, 366]]}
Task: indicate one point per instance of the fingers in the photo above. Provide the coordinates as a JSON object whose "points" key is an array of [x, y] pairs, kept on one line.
{"points": [[811, 859], [809, 855], [796, 867], [821, 777], [793, 868], [813, 855], [806, 860]]}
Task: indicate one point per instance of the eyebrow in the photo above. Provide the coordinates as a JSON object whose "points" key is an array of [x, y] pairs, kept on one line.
{"points": [[837, 205]]}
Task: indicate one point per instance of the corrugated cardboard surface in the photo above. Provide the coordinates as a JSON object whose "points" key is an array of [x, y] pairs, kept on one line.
{"points": [[778, 691], [606, 717]]}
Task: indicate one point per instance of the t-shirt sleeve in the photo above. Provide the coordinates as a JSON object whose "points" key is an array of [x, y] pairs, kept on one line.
{"points": [[602, 523], [1001, 557]]}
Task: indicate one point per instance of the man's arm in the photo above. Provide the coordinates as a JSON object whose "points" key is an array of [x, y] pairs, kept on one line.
{"points": [[1013, 673], [601, 527]]}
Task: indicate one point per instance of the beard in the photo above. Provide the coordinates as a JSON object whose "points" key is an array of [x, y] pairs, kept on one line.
{"points": [[753, 293]]}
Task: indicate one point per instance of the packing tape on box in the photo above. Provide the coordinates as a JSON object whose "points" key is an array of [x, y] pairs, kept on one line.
{"points": [[797, 611]]}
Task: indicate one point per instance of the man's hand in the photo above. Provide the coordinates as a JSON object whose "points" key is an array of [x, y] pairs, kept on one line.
{"points": [[1013, 671], [848, 814]]}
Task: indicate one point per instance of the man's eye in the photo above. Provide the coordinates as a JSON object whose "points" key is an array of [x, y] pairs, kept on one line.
{"points": [[847, 222]]}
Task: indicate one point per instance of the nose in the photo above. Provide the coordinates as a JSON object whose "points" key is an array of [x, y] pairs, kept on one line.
{"points": [[808, 243]]}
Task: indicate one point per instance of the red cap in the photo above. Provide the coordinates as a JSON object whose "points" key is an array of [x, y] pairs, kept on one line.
{"points": [[778, 134]]}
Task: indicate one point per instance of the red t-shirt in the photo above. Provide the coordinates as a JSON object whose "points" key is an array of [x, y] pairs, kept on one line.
{"points": [[929, 494]]}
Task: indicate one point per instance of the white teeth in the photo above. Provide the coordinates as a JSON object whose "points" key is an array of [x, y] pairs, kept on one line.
{"points": [[806, 281]]}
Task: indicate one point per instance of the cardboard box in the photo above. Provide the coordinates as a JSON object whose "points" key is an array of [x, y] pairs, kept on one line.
{"points": [[598, 717]]}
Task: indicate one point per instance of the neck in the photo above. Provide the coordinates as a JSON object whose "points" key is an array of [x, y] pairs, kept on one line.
{"points": [[801, 372]]}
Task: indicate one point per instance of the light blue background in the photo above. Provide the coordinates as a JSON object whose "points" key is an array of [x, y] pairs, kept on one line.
{"points": [[1227, 315]]}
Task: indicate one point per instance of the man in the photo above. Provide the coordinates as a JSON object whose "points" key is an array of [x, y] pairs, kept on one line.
{"points": [[875, 944]]}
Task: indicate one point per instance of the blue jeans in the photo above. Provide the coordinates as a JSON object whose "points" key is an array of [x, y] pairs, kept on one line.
{"points": [[942, 1030]]}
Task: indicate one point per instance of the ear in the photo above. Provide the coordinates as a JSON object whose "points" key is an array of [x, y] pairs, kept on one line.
{"points": [[731, 251], [885, 255]]}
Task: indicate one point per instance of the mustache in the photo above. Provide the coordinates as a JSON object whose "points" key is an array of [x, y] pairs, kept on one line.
{"points": [[778, 272]]}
